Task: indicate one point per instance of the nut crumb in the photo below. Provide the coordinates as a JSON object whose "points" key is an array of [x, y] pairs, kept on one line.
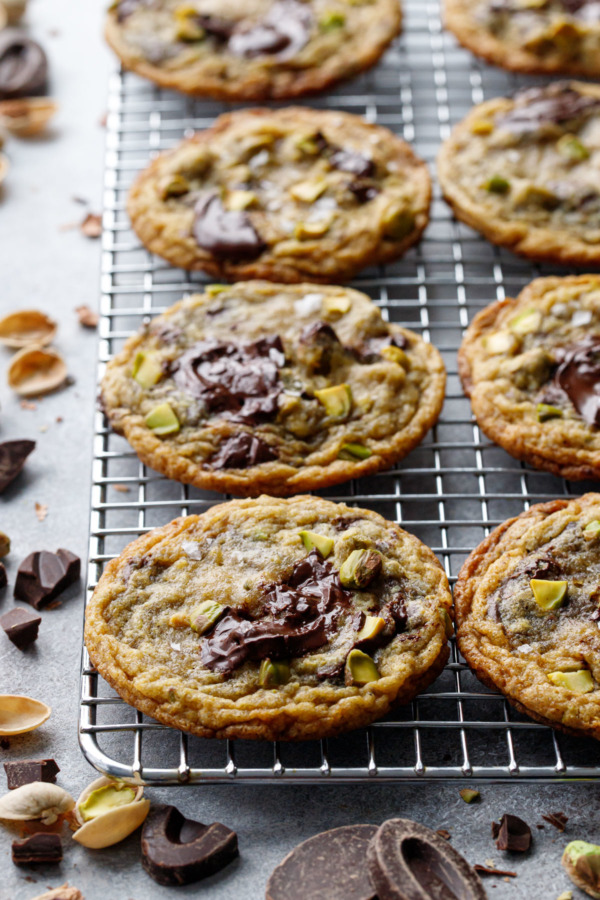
{"points": [[121, 488], [41, 511], [91, 226], [444, 834], [87, 317], [27, 404], [43, 428]]}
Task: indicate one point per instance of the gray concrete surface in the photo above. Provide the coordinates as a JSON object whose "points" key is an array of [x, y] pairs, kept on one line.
{"points": [[56, 270]]}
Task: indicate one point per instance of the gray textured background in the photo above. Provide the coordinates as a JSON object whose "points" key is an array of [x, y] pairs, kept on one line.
{"points": [[55, 270]]}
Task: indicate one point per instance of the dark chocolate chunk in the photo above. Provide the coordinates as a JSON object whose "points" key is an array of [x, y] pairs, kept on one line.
{"points": [[558, 819], [42, 576], [578, 376], [363, 189], [12, 458], [217, 27], [409, 861], [242, 451], [328, 866], [26, 771], [227, 234], [23, 65], [284, 30], [589, 10], [176, 850], [488, 870], [37, 849], [21, 626], [316, 347], [351, 161], [554, 104], [3, 576], [512, 834]]}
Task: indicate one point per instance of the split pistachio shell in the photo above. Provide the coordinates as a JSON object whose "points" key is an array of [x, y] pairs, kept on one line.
{"points": [[28, 326], [37, 800], [34, 371], [19, 714], [64, 892], [28, 116], [113, 824]]}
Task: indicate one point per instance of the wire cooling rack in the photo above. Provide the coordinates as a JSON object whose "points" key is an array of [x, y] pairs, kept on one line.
{"points": [[449, 492]]}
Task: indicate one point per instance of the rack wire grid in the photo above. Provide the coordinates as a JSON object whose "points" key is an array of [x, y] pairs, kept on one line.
{"points": [[449, 492]]}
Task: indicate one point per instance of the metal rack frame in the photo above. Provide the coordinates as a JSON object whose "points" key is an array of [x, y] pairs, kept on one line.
{"points": [[450, 491]]}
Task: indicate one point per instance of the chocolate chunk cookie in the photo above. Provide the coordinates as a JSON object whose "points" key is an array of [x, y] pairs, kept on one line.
{"points": [[527, 611], [255, 50], [535, 36], [288, 195], [531, 367], [263, 387], [524, 172], [271, 619]]}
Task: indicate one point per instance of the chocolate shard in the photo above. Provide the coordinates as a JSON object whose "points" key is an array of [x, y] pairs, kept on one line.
{"points": [[176, 850], [489, 870], [558, 820], [21, 627], [512, 834], [578, 376], [227, 234], [410, 861], [12, 459], [37, 849], [23, 65], [242, 451], [553, 104], [328, 866], [3, 576], [283, 31], [350, 161], [42, 576], [363, 189], [26, 771]]}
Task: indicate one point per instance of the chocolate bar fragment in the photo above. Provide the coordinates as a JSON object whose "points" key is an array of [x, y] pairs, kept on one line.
{"points": [[12, 459], [37, 849], [21, 626], [26, 771], [512, 833], [42, 576], [3, 576]]}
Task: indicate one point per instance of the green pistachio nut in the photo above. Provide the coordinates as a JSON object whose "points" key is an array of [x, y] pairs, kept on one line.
{"points": [[581, 861], [319, 542], [187, 24], [354, 451], [331, 21], [398, 223], [336, 306], [526, 322], [271, 674], [304, 231], [592, 529], [205, 615], [106, 798], [162, 420], [240, 200], [448, 624], [309, 191], [545, 412], [213, 289], [360, 668], [173, 186], [570, 146], [372, 626], [360, 568], [496, 184], [548, 594], [501, 342], [469, 795], [481, 126], [310, 144], [580, 682], [535, 197], [395, 355], [337, 400], [147, 370]]}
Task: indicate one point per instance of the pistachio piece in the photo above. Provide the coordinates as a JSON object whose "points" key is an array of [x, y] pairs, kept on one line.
{"points": [[173, 186], [28, 116], [581, 861], [482, 126], [580, 682], [20, 714], [311, 144], [272, 674], [306, 230], [496, 184], [336, 306], [592, 529], [240, 200], [314, 541], [360, 668], [4, 544], [448, 623], [469, 795], [360, 568], [570, 146], [187, 24], [37, 800], [501, 342], [536, 197], [28, 326], [214, 289], [34, 371], [373, 625], [147, 370], [205, 615], [109, 810], [309, 191], [526, 322], [337, 400], [331, 21], [398, 223], [545, 412], [548, 594], [162, 420], [354, 451], [394, 354]]}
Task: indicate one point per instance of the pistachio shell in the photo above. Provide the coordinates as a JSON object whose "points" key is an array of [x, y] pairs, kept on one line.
{"points": [[14, 10], [114, 825], [3, 16], [64, 892], [35, 371], [3, 164], [28, 326], [19, 714], [37, 800], [28, 116]]}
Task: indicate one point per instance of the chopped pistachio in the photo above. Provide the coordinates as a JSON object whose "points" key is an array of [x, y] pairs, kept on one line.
{"points": [[272, 674], [571, 147], [213, 289], [173, 186], [496, 185], [204, 616], [545, 412], [394, 354], [189, 30], [537, 196], [310, 190], [331, 21], [373, 625], [162, 420], [482, 126], [320, 542], [592, 529], [448, 624], [147, 370], [580, 682], [469, 795], [4, 544], [105, 798], [309, 144], [581, 861], [501, 342], [548, 594], [360, 568], [336, 306], [354, 451], [526, 322], [306, 230], [240, 200], [259, 536], [398, 223], [360, 668], [337, 400]]}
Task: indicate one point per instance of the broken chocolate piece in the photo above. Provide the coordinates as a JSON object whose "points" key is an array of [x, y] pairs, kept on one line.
{"points": [[176, 850], [408, 860], [12, 459], [363, 189], [37, 849], [551, 105], [330, 865], [558, 820], [42, 576], [21, 627], [26, 771], [351, 161], [316, 347], [242, 451], [284, 30], [225, 233], [512, 833], [578, 376], [23, 65], [3, 576], [488, 870]]}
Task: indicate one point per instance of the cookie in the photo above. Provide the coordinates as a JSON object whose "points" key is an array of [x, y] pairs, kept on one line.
{"points": [[271, 388], [289, 195], [255, 50], [531, 367], [526, 604], [548, 37], [271, 619], [524, 172]]}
